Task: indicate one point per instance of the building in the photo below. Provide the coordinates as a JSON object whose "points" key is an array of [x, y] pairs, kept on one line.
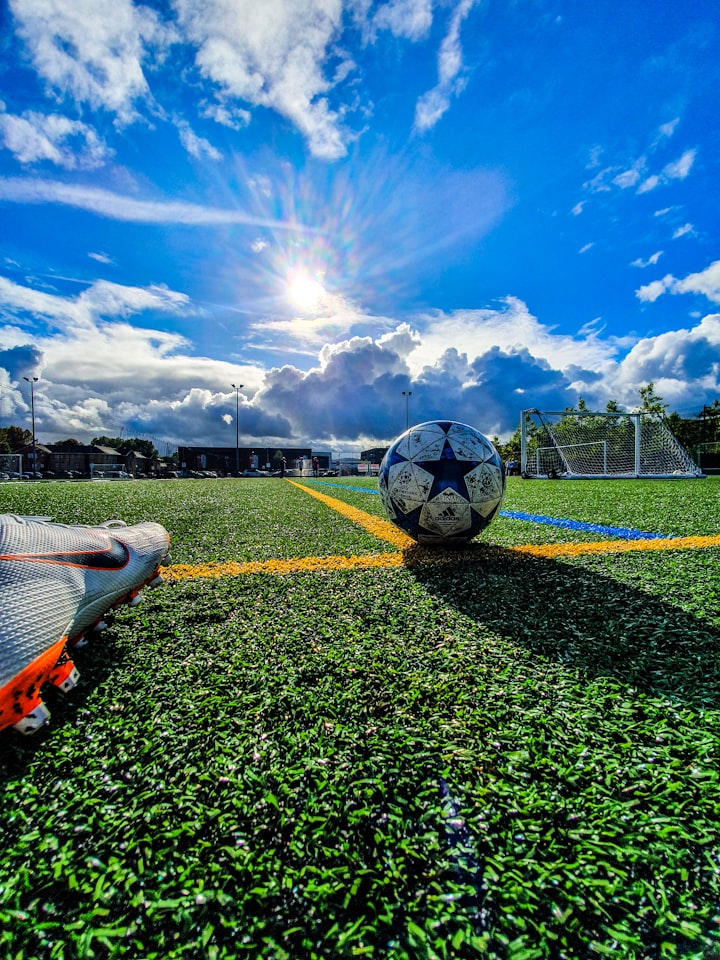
{"points": [[60, 458], [374, 454], [224, 459]]}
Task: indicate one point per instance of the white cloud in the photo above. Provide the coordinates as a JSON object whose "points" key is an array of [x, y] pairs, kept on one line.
{"points": [[683, 231], [35, 137], [410, 19], [628, 178], [586, 247], [101, 299], [94, 57], [668, 129], [280, 54], [101, 258], [651, 260], [677, 170], [227, 115], [272, 55], [649, 292], [196, 146], [512, 328], [99, 373], [433, 104], [683, 364], [122, 207], [706, 282], [636, 175]]}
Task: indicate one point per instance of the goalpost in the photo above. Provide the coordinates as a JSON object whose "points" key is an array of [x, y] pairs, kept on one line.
{"points": [[586, 445], [10, 466]]}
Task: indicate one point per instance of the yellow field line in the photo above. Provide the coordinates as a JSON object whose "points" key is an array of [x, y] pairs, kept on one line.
{"points": [[412, 554], [617, 546], [231, 568], [375, 525]]}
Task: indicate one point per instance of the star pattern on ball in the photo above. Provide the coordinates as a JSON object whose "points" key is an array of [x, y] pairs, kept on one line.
{"points": [[441, 481]]}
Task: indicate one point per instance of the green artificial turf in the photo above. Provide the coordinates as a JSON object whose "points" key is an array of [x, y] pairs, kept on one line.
{"points": [[512, 757]]}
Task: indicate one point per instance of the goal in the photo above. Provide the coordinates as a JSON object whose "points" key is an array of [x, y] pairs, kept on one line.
{"points": [[10, 466], [586, 445]]}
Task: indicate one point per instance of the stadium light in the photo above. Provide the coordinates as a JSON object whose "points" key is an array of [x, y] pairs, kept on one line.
{"points": [[237, 390], [32, 381], [407, 394]]}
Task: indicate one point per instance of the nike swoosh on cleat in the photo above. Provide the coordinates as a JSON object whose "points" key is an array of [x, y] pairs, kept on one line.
{"points": [[115, 557]]}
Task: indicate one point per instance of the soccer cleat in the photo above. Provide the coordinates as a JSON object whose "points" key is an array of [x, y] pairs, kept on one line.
{"points": [[56, 583]]}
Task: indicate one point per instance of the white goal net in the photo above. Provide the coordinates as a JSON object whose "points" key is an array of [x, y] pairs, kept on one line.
{"points": [[10, 466], [582, 444]]}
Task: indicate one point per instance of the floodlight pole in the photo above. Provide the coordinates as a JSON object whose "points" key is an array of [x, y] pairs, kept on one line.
{"points": [[407, 394], [32, 381], [237, 389]]}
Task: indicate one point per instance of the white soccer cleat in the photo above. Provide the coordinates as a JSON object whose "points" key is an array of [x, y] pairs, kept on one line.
{"points": [[57, 582]]}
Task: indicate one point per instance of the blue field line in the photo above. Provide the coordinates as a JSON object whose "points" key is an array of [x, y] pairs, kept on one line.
{"points": [[626, 533]]}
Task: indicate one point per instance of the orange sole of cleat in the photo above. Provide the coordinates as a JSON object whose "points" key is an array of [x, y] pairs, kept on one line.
{"points": [[21, 696], [65, 676], [34, 720]]}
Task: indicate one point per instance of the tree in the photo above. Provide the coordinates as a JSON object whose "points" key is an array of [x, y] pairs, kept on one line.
{"points": [[17, 438], [511, 449], [651, 402], [115, 442]]}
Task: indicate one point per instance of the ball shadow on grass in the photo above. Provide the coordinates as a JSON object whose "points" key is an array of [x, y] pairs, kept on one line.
{"points": [[579, 617]]}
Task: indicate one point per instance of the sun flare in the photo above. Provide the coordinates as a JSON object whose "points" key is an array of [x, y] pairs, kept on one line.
{"points": [[305, 292]]}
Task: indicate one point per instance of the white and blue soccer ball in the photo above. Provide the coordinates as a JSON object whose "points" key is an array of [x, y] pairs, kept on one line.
{"points": [[441, 482]]}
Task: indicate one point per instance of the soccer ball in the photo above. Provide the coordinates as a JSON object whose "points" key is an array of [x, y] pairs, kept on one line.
{"points": [[441, 482]]}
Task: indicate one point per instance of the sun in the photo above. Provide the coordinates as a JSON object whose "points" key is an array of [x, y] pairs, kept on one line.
{"points": [[305, 292]]}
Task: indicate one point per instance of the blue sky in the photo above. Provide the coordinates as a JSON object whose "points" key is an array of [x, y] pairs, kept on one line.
{"points": [[495, 205]]}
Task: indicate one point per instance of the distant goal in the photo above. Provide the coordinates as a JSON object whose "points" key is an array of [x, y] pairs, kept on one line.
{"points": [[586, 445], [10, 466]]}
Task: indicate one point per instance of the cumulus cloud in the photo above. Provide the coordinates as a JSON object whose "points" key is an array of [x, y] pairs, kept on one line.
{"points": [[706, 282], [683, 364], [100, 373]]}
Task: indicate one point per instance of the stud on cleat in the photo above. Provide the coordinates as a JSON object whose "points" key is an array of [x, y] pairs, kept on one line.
{"points": [[134, 601], [155, 582], [65, 677], [34, 720]]}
